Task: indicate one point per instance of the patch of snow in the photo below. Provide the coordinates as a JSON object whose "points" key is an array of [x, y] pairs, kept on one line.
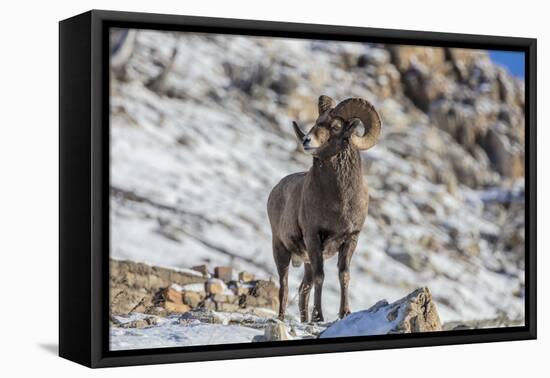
{"points": [[364, 323], [173, 334], [197, 287]]}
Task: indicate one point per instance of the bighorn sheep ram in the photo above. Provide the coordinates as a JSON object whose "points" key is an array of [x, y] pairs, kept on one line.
{"points": [[319, 213]]}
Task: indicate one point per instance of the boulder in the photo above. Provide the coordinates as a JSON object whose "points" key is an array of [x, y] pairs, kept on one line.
{"points": [[172, 307], [192, 298], [275, 332], [246, 276], [224, 273], [265, 289], [227, 298], [263, 294], [239, 288], [505, 157], [173, 295], [215, 286], [170, 300], [415, 312], [125, 300], [209, 304]]}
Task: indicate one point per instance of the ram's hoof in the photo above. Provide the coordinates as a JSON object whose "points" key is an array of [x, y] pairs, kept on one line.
{"points": [[316, 317], [344, 313]]}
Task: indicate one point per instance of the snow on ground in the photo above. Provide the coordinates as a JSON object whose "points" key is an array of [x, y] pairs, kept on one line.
{"points": [[363, 323], [204, 328], [169, 332]]}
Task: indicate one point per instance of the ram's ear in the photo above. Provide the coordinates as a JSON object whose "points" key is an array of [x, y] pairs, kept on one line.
{"points": [[365, 111], [299, 133], [354, 126]]}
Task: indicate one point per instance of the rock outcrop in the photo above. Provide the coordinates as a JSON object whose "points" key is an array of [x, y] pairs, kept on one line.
{"points": [[133, 285], [414, 313], [139, 288]]}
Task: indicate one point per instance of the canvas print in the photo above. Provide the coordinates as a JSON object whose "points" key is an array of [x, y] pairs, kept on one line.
{"points": [[279, 189]]}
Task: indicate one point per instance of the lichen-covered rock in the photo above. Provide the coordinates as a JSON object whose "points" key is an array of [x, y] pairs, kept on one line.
{"points": [[416, 313]]}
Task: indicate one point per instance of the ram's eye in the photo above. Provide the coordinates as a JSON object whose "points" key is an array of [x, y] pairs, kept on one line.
{"points": [[336, 126]]}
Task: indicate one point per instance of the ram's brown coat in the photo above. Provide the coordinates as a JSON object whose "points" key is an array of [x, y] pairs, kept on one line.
{"points": [[317, 214]]}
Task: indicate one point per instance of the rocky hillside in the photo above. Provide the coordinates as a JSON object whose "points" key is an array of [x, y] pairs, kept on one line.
{"points": [[201, 132]]}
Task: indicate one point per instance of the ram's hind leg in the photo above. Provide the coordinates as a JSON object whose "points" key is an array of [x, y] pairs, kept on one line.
{"points": [[282, 260], [305, 289]]}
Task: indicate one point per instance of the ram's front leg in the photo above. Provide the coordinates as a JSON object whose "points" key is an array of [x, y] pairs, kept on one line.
{"points": [[305, 288], [315, 252], [344, 259]]}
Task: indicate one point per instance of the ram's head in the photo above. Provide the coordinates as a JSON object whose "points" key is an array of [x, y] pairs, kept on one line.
{"points": [[352, 122]]}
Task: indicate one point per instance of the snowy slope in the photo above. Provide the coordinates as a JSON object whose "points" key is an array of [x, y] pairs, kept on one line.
{"points": [[192, 167]]}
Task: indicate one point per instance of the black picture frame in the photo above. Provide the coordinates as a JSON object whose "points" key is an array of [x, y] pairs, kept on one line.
{"points": [[84, 192]]}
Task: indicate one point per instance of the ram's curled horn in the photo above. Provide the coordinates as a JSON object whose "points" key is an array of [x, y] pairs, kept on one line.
{"points": [[325, 103], [363, 110]]}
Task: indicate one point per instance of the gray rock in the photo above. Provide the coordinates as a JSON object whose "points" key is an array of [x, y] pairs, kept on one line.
{"points": [[419, 313], [415, 312], [275, 332]]}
